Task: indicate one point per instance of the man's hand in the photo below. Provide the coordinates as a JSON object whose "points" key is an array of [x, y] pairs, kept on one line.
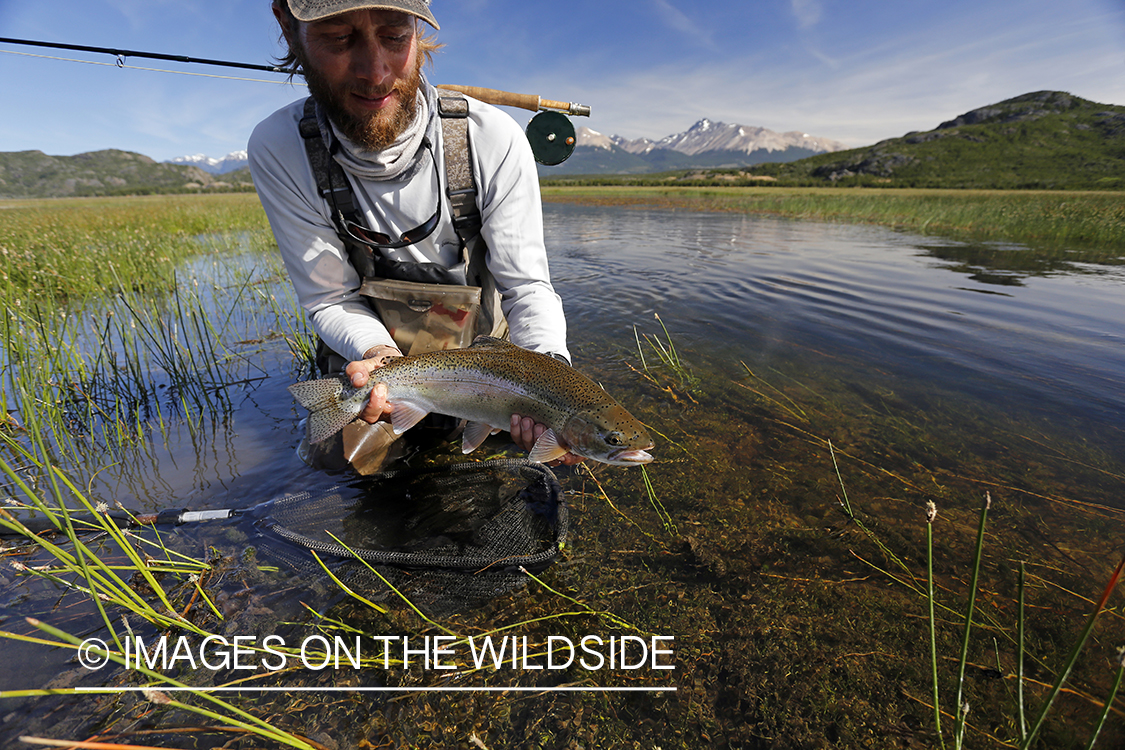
{"points": [[525, 431], [359, 372]]}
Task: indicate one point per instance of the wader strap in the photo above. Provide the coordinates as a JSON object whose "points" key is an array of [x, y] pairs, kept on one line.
{"points": [[453, 110], [331, 181], [333, 185]]}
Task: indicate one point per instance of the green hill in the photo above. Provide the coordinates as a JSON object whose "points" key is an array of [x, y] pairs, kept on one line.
{"points": [[1047, 139], [34, 174], [1043, 140]]}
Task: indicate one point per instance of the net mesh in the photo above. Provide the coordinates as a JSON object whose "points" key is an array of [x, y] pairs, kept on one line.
{"points": [[446, 537]]}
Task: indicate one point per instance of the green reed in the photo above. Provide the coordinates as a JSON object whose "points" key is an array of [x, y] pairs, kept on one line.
{"points": [[962, 707], [931, 514], [667, 356], [1112, 697], [103, 576], [969, 619], [108, 368], [1072, 659], [1027, 737]]}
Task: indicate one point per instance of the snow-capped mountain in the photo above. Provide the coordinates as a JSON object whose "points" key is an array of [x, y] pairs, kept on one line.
{"points": [[232, 161], [706, 135]]}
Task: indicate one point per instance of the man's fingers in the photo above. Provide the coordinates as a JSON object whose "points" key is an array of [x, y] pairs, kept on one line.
{"points": [[359, 371], [377, 405]]}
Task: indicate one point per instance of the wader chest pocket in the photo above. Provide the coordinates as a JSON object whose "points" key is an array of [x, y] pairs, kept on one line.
{"points": [[425, 317]]}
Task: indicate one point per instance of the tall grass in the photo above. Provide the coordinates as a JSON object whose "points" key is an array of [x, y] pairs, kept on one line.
{"points": [[119, 316], [969, 621], [107, 575], [180, 308], [75, 248]]}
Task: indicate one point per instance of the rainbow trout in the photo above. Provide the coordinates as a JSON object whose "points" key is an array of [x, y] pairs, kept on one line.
{"points": [[485, 384]]}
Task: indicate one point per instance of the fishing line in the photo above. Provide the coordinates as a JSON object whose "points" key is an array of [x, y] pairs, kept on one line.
{"points": [[123, 53], [120, 63]]}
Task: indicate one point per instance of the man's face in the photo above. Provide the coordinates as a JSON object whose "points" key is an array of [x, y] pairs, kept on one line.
{"points": [[363, 67]]}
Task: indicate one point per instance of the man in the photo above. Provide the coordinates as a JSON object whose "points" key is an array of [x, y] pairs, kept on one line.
{"points": [[378, 118]]}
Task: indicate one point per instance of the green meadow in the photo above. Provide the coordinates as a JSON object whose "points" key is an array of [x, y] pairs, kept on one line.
{"points": [[74, 248], [1091, 223]]}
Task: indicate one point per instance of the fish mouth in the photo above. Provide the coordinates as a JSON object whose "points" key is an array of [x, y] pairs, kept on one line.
{"points": [[628, 457]]}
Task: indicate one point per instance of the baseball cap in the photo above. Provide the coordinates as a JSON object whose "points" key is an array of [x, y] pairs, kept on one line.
{"points": [[314, 10]]}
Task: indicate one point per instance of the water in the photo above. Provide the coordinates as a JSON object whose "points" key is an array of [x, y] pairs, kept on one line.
{"points": [[937, 370], [737, 287]]}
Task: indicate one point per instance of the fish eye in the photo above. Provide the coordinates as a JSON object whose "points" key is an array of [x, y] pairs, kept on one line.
{"points": [[614, 439]]}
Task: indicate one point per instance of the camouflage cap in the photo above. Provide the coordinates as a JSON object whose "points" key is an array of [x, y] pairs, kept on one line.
{"points": [[315, 10]]}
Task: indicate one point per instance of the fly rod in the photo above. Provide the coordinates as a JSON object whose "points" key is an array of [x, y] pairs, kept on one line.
{"points": [[488, 96], [121, 53]]}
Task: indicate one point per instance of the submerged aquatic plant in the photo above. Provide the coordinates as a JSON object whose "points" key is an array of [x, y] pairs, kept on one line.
{"points": [[969, 619], [668, 358], [1027, 737]]}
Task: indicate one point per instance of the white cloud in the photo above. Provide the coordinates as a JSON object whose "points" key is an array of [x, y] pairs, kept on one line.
{"points": [[676, 20], [807, 12], [863, 94]]}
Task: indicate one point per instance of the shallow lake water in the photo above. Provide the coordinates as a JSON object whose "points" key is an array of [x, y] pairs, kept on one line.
{"points": [[824, 366]]}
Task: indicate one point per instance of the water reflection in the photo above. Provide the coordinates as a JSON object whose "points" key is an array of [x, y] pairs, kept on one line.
{"points": [[875, 300], [1006, 264]]}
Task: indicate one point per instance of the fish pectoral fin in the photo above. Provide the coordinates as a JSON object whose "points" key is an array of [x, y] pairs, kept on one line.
{"points": [[547, 448], [405, 415], [475, 434]]}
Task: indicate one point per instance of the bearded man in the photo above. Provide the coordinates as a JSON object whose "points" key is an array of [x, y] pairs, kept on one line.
{"points": [[375, 154]]}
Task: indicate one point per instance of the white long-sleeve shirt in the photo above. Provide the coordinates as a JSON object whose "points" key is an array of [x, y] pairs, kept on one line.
{"points": [[326, 283]]}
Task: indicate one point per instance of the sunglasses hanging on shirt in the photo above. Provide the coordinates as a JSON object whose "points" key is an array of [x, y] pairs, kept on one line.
{"points": [[381, 241]]}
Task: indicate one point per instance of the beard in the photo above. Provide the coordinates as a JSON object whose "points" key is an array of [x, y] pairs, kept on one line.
{"points": [[375, 131]]}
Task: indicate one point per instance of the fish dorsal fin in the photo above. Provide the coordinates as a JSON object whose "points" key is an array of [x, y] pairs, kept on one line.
{"points": [[405, 415], [547, 448], [491, 342], [475, 434]]}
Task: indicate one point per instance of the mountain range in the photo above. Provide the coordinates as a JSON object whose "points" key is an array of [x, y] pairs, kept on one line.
{"points": [[34, 174], [1044, 139], [704, 144], [229, 163]]}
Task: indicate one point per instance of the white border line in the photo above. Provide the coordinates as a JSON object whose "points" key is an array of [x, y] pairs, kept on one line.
{"points": [[420, 689]]}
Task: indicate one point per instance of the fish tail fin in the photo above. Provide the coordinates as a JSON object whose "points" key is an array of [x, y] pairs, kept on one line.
{"points": [[315, 395], [327, 412]]}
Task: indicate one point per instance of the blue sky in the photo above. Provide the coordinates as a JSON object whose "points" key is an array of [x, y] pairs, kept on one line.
{"points": [[857, 71]]}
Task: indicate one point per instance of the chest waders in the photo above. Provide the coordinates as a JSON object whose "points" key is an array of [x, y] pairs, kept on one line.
{"points": [[425, 306]]}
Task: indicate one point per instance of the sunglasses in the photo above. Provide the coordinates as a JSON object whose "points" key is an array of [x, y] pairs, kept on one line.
{"points": [[381, 241]]}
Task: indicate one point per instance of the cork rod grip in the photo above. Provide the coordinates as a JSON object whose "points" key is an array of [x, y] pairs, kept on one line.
{"points": [[523, 101]]}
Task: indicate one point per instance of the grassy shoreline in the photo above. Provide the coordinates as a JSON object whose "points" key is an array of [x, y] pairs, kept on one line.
{"points": [[1093, 220], [74, 248]]}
